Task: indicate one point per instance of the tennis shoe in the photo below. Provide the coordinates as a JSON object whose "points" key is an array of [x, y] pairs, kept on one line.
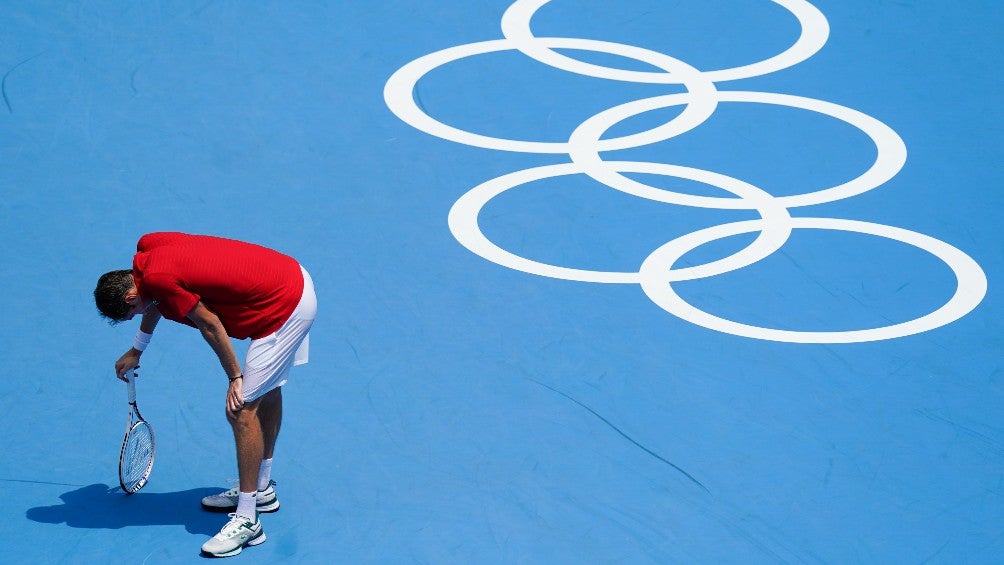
{"points": [[240, 532], [265, 500]]}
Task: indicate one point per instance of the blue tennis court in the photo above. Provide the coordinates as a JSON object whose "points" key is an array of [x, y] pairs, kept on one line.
{"points": [[599, 282]]}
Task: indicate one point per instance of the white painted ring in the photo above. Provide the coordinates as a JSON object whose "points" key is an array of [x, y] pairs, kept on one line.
{"points": [[656, 277], [815, 31], [463, 222], [891, 151], [399, 93]]}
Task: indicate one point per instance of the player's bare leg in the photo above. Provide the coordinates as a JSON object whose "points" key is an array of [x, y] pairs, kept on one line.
{"points": [[255, 427], [270, 417], [250, 444], [244, 528]]}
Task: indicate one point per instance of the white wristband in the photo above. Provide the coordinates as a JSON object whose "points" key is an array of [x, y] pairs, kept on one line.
{"points": [[141, 341]]}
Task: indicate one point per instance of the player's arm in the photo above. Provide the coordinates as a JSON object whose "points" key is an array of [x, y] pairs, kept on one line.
{"points": [[150, 318], [130, 360], [216, 336]]}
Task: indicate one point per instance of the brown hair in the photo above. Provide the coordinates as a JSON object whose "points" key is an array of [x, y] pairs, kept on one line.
{"points": [[109, 295]]}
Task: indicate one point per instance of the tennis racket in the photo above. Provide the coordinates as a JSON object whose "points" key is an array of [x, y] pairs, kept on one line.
{"points": [[136, 456]]}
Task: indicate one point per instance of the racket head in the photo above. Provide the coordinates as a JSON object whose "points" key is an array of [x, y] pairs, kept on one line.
{"points": [[136, 457]]}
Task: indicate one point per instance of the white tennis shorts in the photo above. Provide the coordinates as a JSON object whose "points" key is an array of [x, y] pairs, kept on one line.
{"points": [[269, 359]]}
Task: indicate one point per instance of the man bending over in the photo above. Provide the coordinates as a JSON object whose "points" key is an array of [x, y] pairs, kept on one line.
{"points": [[226, 289]]}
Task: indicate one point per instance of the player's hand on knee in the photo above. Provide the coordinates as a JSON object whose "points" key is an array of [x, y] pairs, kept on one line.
{"points": [[235, 396]]}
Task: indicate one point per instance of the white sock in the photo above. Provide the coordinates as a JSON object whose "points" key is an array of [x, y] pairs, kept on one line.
{"points": [[264, 474], [246, 505]]}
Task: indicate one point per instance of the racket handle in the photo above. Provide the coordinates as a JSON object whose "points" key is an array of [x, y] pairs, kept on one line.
{"points": [[131, 385]]}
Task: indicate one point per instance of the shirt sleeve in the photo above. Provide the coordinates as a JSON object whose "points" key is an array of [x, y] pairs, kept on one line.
{"points": [[173, 300]]}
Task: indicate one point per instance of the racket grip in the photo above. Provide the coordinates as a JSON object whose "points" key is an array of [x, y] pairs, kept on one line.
{"points": [[131, 385]]}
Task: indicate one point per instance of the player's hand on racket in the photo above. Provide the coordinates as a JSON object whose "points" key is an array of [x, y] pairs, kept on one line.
{"points": [[130, 360], [235, 396]]}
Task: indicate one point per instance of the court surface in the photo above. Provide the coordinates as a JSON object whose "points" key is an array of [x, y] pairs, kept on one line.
{"points": [[600, 282]]}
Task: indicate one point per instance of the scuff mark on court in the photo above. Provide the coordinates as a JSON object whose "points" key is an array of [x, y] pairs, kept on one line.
{"points": [[3, 81], [39, 482], [627, 437]]}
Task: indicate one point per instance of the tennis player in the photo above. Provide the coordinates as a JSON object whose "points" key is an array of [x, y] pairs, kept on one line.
{"points": [[226, 289]]}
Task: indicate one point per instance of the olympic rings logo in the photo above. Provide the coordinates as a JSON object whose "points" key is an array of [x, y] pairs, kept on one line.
{"points": [[699, 102]]}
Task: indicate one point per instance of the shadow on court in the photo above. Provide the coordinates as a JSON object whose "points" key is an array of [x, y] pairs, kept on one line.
{"points": [[100, 507]]}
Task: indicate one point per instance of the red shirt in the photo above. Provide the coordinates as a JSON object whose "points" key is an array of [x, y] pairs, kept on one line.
{"points": [[251, 288]]}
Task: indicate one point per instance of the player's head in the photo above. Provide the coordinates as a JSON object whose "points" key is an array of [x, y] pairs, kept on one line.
{"points": [[116, 297]]}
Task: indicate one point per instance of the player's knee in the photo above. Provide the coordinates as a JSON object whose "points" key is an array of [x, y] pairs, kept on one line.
{"points": [[245, 416]]}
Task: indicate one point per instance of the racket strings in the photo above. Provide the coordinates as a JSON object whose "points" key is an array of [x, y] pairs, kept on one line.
{"points": [[137, 458]]}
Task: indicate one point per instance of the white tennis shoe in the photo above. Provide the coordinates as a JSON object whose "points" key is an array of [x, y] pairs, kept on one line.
{"points": [[240, 532], [265, 500]]}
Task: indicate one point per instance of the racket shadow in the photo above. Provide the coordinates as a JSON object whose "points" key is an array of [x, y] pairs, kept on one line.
{"points": [[99, 506]]}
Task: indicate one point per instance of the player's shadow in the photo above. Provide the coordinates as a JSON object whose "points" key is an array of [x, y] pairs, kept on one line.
{"points": [[98, 506]]}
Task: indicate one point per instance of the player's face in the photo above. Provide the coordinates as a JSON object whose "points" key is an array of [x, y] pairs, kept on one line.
{"points": [[136, 306]]}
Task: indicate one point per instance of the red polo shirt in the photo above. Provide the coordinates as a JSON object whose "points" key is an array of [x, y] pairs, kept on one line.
{"points": [[251, 288]]}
